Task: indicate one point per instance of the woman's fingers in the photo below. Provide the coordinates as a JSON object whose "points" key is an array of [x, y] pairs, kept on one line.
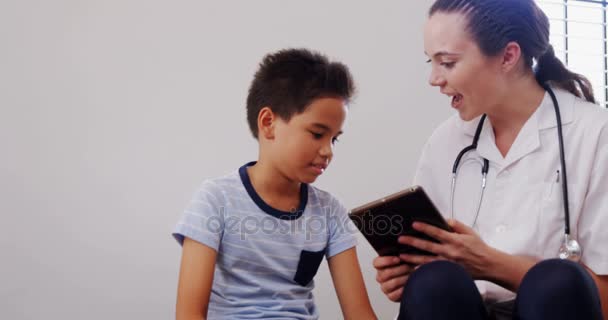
{"points": [[382, 262], [460, 227], [386, 274], [418, 259], [434, 232], [395, 284], [392, 275], [421, 244], [395, 296]]}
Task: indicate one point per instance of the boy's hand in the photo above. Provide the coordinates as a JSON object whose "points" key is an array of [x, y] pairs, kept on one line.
{"points": [[392, 274]]}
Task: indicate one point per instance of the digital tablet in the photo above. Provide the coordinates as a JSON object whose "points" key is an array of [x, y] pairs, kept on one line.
{"points": [[384, 220]]}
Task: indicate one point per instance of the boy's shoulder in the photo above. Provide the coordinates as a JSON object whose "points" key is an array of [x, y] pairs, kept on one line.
{"points": [[323, 198], [220, 185], [228, 179]]}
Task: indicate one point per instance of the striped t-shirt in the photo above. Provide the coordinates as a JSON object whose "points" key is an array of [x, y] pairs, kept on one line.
{"points": [[266, 258]]}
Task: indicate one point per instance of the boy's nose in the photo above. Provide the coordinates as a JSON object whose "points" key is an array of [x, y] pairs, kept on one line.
{"points": [[327, 150]]}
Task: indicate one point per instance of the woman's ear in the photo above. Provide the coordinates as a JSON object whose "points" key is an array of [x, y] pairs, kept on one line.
{"points": [[266, 123], [511, 56]]}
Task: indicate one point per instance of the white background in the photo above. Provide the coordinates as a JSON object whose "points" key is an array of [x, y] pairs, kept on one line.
{"points": [[112, 112]]}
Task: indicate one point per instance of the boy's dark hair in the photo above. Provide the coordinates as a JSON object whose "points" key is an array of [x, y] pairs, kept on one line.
{"points": [[289, 80]]}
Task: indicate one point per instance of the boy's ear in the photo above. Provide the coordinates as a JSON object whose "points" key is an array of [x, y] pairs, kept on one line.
{"points": [[266, 122]]}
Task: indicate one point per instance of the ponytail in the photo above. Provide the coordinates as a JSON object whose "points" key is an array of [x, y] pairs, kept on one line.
{"points": [[550, 69], [493, 24]]}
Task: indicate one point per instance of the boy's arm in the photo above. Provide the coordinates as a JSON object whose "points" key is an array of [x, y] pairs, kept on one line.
{"points": [[348, 281], [195, 280]]}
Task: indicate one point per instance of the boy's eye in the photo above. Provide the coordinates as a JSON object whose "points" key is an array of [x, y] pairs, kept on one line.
{"points": [[316, 135]]}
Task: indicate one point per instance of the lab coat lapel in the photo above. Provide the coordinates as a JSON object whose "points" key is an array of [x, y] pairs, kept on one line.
{"points": [[486, 147], [526, 142], [528, 139]]}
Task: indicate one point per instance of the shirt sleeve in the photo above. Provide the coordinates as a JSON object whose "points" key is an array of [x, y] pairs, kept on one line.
{"points": [[342, 231], [422, 174], [426, 177], [593, 222], [203, 218]]}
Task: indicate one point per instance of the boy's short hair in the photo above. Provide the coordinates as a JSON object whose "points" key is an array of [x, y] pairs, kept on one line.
{"points": [[289, 80]]}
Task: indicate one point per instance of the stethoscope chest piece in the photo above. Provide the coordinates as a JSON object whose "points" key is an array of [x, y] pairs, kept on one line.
{"points": [[570, 249]]}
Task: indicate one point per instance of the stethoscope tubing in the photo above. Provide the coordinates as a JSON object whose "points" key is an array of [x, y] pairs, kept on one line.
{"points": [[485, 167]]}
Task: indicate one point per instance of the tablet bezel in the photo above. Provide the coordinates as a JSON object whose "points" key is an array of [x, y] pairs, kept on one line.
{"points": [[399, 209]]}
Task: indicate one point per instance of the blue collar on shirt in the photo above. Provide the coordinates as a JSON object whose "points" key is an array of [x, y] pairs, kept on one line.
{"points": [[284, 215]]}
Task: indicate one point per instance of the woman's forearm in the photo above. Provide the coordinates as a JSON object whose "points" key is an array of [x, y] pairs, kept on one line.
{"points": [[508, 270]]}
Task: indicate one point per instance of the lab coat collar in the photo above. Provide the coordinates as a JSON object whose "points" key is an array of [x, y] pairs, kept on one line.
{"points": [[546, 114], [528, 139]]}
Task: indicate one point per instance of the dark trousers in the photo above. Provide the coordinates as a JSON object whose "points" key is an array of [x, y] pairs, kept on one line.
{"points": [[552, 289]]}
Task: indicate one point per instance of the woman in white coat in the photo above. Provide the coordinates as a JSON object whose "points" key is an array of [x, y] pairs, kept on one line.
{"points": [[493, 58]]}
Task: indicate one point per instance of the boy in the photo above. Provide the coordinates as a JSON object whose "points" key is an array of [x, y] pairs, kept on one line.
{"points": [[253, 239]]}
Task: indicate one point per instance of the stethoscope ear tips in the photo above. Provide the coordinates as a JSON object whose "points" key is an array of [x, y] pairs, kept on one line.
{"points": [[570, 249]]}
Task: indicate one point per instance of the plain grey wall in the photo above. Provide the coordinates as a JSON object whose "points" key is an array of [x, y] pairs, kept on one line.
{"points": [[113, 111]]}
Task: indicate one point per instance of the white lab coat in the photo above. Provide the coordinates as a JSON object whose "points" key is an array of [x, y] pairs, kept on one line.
{"points": [[522, 211]]}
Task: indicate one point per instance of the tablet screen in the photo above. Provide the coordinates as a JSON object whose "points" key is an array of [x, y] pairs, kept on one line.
{"points": [[382, 221]]}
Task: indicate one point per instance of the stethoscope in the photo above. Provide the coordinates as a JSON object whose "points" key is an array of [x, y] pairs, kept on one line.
{"points": [[570, 248]]}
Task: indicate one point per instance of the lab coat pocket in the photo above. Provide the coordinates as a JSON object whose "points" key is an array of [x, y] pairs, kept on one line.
{"points": [[552, 196], [552, 217], [308, 266], [553, 200]]}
